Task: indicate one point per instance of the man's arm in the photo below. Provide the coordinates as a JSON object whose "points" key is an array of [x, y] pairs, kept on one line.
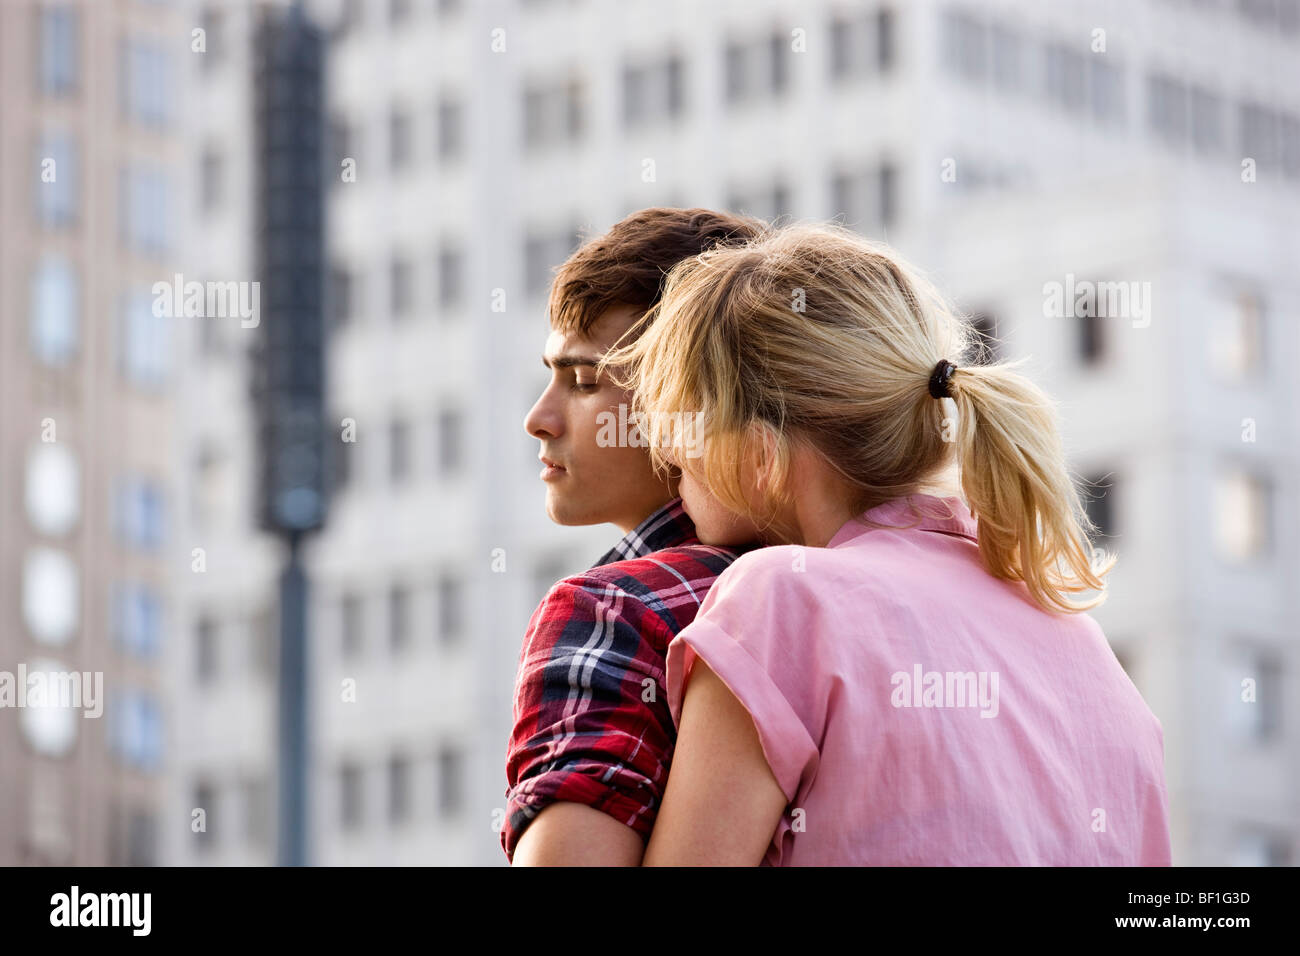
{"points": [[588, 756], [722, 803], [573, 834]]}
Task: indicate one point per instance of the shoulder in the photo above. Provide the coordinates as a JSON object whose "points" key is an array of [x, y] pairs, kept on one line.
{"points": [[668, 585], [777, 566], [639, 577]]}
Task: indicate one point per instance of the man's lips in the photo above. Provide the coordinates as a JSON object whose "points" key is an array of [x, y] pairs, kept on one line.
{"points": [[550, 468]]}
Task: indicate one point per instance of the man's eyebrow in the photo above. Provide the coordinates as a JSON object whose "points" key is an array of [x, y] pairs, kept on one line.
{"points": [[569, 361]]}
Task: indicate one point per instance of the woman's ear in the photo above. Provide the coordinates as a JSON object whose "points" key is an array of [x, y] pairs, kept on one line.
{"points": [[762, 459]]}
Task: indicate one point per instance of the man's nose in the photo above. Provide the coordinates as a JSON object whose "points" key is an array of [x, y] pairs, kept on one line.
{"points": [[542, 421]]}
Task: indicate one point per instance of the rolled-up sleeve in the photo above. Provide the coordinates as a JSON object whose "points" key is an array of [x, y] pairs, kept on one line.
{"points": [[752, 632], [591, 721]]}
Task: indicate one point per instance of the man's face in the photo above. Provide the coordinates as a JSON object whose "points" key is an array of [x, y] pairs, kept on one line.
{"points": [[587, 483]]}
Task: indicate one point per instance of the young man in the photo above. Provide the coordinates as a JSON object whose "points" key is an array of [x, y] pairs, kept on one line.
{"points": [[588, 756]]}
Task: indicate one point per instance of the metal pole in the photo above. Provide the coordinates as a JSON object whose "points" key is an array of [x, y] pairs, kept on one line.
{"points": [[294, 792]]}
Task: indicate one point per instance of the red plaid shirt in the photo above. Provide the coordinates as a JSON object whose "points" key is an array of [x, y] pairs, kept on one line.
{"points": [[591, 720]]}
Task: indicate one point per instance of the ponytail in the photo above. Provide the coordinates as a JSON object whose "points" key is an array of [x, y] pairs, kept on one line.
{"points": [[1032, 524]]}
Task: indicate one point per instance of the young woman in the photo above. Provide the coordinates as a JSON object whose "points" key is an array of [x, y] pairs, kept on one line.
{"points": [[907, 675]]}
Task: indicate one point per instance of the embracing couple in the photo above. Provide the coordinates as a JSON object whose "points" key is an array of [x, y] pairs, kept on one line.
{"points": [[848, 626]]}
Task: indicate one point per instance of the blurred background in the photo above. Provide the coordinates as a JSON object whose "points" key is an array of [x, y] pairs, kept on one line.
{"points": [[156, 476]]}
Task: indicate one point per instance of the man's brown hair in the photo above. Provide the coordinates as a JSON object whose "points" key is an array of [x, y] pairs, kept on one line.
{"points": [[627, 265]]}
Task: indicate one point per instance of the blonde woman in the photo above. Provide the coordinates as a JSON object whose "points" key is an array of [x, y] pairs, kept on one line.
{"points": [[907, 676]]}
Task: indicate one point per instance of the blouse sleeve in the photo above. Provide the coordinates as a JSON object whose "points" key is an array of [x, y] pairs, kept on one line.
{"points": [[754, 632]]}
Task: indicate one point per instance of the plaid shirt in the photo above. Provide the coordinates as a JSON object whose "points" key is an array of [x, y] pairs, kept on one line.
{"points": [[584, 730]]}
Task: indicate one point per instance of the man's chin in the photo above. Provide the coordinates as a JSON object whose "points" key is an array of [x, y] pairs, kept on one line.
{"points": [[570, 517]]}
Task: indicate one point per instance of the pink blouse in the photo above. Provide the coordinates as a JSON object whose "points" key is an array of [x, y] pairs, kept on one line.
{"points": [[918, 711]]}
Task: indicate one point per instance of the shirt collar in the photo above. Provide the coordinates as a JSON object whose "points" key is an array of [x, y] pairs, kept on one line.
{"points": [[913, 512], [668, 527]]}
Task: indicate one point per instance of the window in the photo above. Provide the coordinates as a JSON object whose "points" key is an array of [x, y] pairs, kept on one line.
{"points": [[1099, 503], [214, 37], [853, 199], [987, 346], [399, 451], [255, 793], [401, 287], [342, 296], [542, 253], [138, 515], [59, 50], [778, 46], [450, 609], [450, 780], [399, 617], [1105, 91], [965, 45], [1167, 108], [51, 589], [1066, 76], [56, 190], [52, 492], [755, 67], [1236, 340], [351, 626], [144, 355], [141, 838], [343, 454], [451, 279], [1007, 58], [1206, 120], [451, 119], [145, 82], [1091, 336], [652, 91], [888, 194], [399, 787], [1258, 131], [205, 650], [399, 11], [142, 210], [211, 170], [765, 203], [886, 44], [264, 642], [1282, 15], [55, 311], [554, 112], [137, 620], [351, 16], [399, 140], [1258, 848], [135, 729], [865, 199], [450, 442], [350, 797], [1253, 694], [1290, 134], [1242, 515], [205, 799], [339, 137]]}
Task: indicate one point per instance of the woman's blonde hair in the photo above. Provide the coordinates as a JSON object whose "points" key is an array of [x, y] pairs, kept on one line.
{"points": [[815, 335]]}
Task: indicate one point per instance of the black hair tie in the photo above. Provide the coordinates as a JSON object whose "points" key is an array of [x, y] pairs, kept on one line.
{"points": [[940, 378]]}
